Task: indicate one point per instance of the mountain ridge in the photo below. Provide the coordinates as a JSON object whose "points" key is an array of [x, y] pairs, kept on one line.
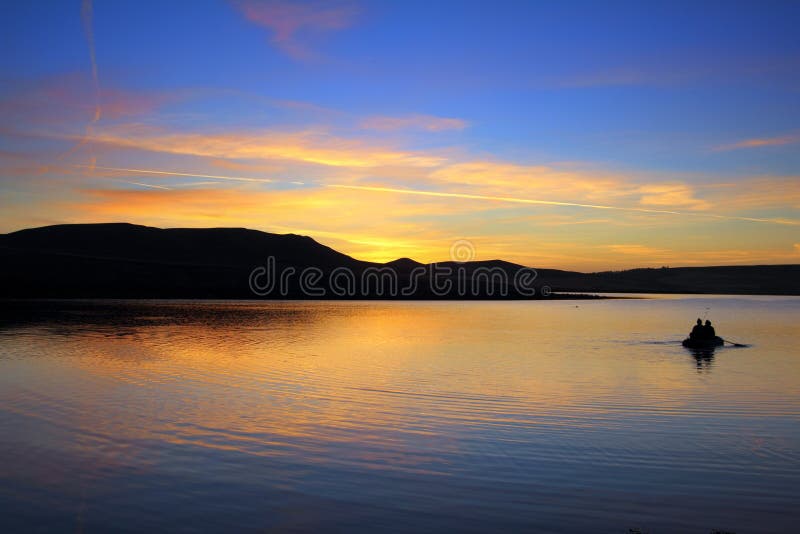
{"points": [[129, 260]]}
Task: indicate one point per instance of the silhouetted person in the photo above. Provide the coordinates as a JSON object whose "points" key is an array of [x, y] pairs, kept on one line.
{"points": [[698, 330], [708, 331]]}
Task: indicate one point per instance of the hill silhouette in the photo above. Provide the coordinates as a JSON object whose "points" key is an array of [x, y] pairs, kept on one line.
{"points": [[121, 260]]}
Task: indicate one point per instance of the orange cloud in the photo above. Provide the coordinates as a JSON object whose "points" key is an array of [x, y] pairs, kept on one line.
{"points": [[540, 180], [498, 183], [761, 142], [306, 146], [288, 19], [636, 249], [413, 122], [604, 190], [671, 194], [761, 192]]}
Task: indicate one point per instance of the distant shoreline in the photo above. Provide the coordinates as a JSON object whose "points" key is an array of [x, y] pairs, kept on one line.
{"points": [[355, 299], [128, 261]]}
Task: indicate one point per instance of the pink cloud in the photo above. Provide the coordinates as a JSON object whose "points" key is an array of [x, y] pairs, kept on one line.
{"points": [[413, 122], [288, 19], [69, 99], [761, 142]]}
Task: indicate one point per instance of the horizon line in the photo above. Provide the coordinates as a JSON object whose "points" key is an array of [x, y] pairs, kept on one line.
{"points": [[126, 223]]}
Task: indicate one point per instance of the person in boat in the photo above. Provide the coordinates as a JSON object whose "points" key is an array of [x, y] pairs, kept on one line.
{"points": [[698, 330], [708, 331]]}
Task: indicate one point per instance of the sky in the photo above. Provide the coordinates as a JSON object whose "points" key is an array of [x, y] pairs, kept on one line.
{"points": [[575, 135]]}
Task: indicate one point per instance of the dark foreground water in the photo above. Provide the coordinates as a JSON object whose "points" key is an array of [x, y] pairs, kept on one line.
{"points": [[560, 416]]}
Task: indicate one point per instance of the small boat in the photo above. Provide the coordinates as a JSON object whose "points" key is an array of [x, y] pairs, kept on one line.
{"points": [[715, 341]]}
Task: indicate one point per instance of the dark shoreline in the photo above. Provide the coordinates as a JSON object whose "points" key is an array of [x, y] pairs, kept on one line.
{"points": [[554, 296], [127, 261]]}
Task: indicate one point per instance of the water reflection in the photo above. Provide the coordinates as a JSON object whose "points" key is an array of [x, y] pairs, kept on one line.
{"points": [[703, 358], [118, 317], [399, 416]]}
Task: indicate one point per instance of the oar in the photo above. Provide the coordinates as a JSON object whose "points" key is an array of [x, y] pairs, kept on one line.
{"points": [[734, 343]]}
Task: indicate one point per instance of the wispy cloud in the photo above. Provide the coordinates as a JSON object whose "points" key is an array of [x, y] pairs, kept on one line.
{"points": [[678, 70], [568, 204], [304, 146], [413, 122], [483, 198], [671, 194], [291, 22], [613, 78], [432, 174], [307, 107], [758, 142], [69, 101], [542, 181], [759, 192], [636, 249]]}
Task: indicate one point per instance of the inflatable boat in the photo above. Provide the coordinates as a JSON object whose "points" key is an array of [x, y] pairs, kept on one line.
{"points": [[703, 343]]}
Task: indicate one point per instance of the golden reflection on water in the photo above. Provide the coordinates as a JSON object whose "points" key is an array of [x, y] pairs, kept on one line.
{"points": [[508, 392]]}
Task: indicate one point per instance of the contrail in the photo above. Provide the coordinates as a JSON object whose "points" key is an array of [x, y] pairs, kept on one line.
{"points": [[152, 186], [192, 175], [495, 198], [467, 196], [556, 203], [88, 28]]}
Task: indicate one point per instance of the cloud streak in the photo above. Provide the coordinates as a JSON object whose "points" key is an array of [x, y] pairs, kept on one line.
{"points": [[305, 146], [760, 142], [671, 194], [413, 122], [172, 173]]}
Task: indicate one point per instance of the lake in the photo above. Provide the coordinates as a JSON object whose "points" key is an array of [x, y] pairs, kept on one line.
{"points": [[548, 416]]}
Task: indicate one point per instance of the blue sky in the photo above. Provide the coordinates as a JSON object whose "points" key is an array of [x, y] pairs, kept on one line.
{"points": [[634, 108]]}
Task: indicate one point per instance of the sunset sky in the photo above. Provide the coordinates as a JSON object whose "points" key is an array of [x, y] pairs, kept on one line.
{"points": [[581, 135]]}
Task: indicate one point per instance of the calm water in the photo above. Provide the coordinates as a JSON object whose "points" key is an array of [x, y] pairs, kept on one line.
{"points": [[581, 416]]}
